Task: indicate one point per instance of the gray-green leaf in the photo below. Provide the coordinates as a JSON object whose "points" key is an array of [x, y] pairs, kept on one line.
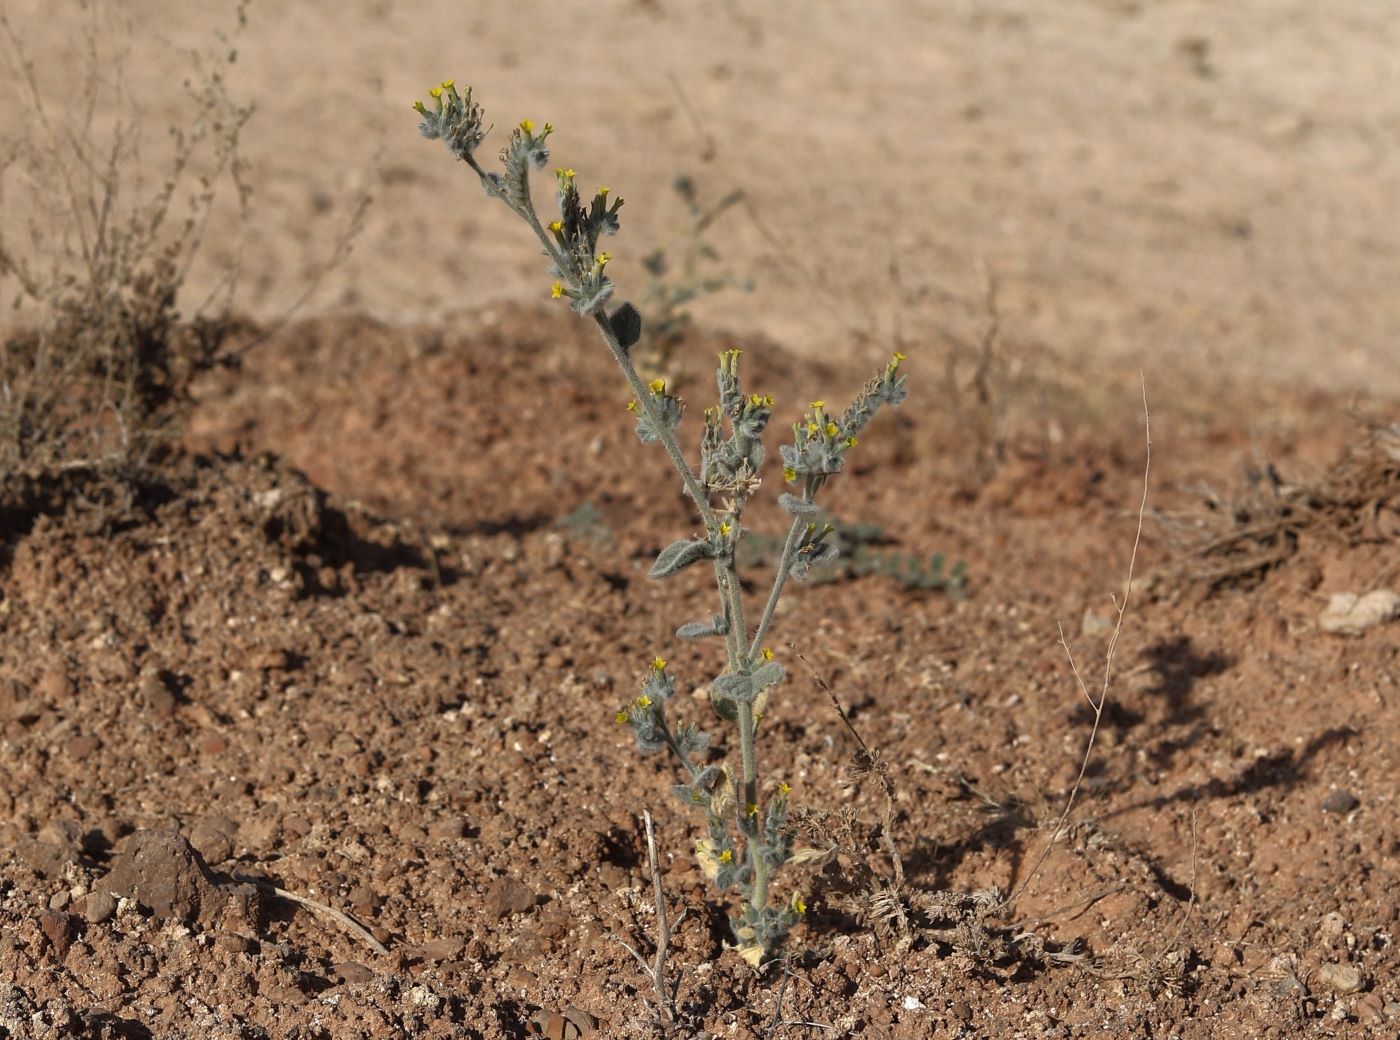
{"points": [[678, 555], [798, 506], [699, 629]]}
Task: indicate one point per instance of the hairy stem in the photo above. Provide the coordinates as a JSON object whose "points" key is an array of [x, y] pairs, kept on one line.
{"points": [[799, 524]]}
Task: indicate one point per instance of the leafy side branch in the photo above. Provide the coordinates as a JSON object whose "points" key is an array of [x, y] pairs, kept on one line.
{"points": [[747, 836]]}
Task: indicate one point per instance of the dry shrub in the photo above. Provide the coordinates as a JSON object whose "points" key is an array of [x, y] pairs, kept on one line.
{"points": [[95, 370], [1236, 541]]}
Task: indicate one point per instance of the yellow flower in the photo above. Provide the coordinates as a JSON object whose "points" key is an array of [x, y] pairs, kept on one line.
{"points": [[603, 258], [436, 92], [631, 406], [784, 788], [557, 291], [565, 173], [851, 441], [898, 357], [644, 701], [767, 400], [621, 716], [818, 405], [659, 663], [657, 386], [798, 904], [726, 856], [831, 429], [724, 527], [751, 809], [527, 125], [789, 474], [556, 226], [812, 427], [603, 191], [448, 84], [756, 400], [767, 654]]}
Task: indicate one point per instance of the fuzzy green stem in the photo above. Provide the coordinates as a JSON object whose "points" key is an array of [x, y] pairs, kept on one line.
{"points": [[747, 727], [799, 524]]}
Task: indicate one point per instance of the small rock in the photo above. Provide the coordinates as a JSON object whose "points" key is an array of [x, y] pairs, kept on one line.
{"points": [[79, 748], [443, 950], [56, 686], [508, 896], [156, 695], [232, 942], [52, 849], [1370, 1009], [447, 829], [1350, 615], [60, 929], [16, 704], [213, 837], [961, 1010], [100, 907], [162, 871], [364, 900], [1331, 929], [1340, 802], [351, 972], [1340, 978]]}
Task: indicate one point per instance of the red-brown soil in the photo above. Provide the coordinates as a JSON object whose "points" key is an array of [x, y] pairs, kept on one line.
{"points": [[362, 645]]}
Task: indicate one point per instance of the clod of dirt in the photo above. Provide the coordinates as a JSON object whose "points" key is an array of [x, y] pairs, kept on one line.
{"points": [[1350, 615], [16, 704], [508, 896], [1340, 978], [100, 907], [156, 696], [161, 870], [60, 929], [52, 849], [1340, 802], [213, 838]]}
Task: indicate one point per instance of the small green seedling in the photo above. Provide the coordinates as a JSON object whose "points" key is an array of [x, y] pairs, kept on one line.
{"points": [[747, 835]]}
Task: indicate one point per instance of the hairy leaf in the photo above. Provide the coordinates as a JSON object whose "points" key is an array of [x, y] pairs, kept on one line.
{"points": [[679, 555]]}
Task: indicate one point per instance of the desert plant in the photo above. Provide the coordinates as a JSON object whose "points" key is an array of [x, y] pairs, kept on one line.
{"points": [[747, 835], [93, 379], [686, 271]]}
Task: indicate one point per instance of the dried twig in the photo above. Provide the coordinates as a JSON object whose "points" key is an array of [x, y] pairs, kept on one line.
{"points": [[656, 970], [1097, 705], [339, 916]]}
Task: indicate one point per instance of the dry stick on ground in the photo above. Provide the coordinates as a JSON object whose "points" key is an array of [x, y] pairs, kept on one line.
{"points": [[1097, 706], [339, 916], [656, 971], [778, 1021]]}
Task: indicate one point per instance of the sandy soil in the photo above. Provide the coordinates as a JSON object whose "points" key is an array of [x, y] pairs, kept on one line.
{"points": [[1154, 183], [361, 642]]}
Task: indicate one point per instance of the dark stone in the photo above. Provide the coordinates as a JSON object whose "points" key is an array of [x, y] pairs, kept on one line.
{"points": [[1340, 802]]}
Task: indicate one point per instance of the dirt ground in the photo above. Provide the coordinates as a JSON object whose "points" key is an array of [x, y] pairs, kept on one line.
{"points": [[1159, 184], [360, 646]]}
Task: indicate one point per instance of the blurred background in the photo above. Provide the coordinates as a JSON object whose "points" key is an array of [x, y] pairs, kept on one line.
{"points": [[1176, 184]]}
